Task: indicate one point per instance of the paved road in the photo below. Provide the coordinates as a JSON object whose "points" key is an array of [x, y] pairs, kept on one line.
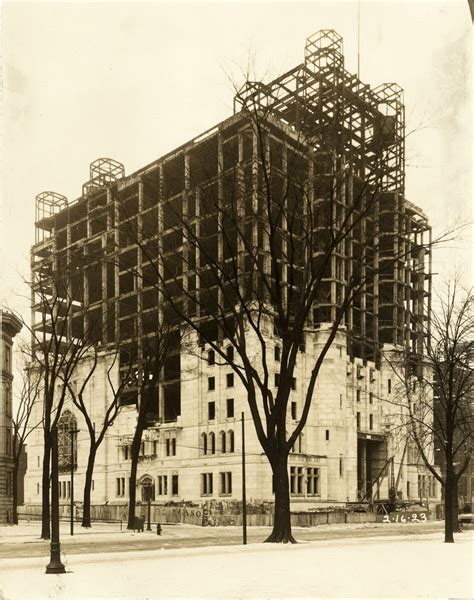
{"points": [[198, 537]]}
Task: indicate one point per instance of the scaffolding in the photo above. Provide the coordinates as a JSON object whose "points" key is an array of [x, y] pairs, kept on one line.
{"points": [[47, 204], [103, 172], [336, 111]]}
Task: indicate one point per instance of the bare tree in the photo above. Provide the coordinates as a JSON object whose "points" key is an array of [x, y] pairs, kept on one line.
{"points": [[437, 400], [97, 433], [144, 385], [23, 423], [55, 350], [254, 251]]}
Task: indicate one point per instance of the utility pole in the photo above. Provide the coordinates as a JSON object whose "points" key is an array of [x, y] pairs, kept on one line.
{"points": [[55, 565], [73, 465], [244, 495]]}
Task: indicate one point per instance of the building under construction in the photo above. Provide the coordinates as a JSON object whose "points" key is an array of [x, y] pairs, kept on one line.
{"points": [[348, 142]]}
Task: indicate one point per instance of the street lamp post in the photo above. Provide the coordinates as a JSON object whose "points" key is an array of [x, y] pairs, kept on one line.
{"points": [[55, 565], [73, 464], [244, 495]]}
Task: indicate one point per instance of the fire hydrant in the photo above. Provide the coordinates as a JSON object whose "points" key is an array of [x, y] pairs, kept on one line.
{"points": [[158, 529]]}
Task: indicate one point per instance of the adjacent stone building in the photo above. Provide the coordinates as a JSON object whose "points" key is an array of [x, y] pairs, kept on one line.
{"points": [[10, 326]]}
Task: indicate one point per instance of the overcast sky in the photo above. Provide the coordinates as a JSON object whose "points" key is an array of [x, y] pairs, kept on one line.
{"points": [[134, 80]]}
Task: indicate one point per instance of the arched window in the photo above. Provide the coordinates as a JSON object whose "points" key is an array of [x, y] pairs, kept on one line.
{"points": [[204, 443], [230, 441], [67, 441], [212, 443], [222, 435]]}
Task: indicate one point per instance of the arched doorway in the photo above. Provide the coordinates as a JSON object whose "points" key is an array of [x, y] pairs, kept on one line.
{"points": [[147, 486]]}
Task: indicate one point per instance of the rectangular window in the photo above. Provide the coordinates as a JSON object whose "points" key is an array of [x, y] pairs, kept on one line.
{"points": [[206, 484], [211, 384], [371, 398], [230, 380], [293, 383], [277, 379], [327, 434], [312, 481], [371, 421], [230, 407], [340, 401], [277, 353], [358, 420], [211, 357], [296, 481], [37, 488], [341, 467], [293, 411], [389, 386], [174, 485], [230, 353], [162, 485], [120, 486], [226, 483], [211, 411], [358, 395], [170, 444]]}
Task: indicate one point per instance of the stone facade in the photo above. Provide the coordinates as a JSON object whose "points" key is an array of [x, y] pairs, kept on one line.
{"points": [[10, 326], [349, 439]]}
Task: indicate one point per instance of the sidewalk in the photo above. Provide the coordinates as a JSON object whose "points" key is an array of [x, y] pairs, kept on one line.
{"points": [[29, 533]]}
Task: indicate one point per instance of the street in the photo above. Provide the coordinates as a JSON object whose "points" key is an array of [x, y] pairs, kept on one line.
{"points": [[419, 565]]}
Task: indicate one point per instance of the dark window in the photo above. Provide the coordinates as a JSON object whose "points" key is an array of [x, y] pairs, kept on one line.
{"points": [[230, 353], [327, 434], [389, 386], [211, 411], [293, 411], [371, 398], [206, 483], [212, 443], [230, 441], [211, 357], [226, 483], [371, 421], [277, 379], [277, 353], [358, 395], [230, 407], [223, 437], [293, 383], [230, 380], [174, 485], [358, 420], [211, 383]]}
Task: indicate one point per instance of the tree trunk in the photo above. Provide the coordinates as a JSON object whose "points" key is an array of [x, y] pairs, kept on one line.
{"points": [[134, 453], [448, 507], [15, 490], [456, 527], [86, 510], [45, 509], [281, 532]]}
